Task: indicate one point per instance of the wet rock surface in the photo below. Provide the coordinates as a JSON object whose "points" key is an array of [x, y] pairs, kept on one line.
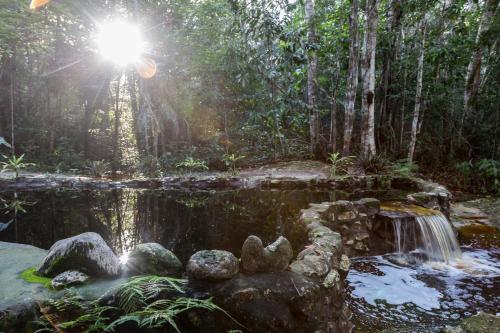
{"points": [[87, 252], [153, 258], [480, 323], [273, 258], [69, 279], [212, 265]]}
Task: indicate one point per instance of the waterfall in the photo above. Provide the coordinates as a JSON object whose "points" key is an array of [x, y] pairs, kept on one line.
{"points": [[431, 234]]}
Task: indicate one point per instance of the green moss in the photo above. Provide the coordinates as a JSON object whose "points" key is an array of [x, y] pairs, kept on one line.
{"points": [[30, 275]]}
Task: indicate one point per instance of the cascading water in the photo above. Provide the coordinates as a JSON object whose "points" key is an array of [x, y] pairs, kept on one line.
{"points": [[430, 234]]}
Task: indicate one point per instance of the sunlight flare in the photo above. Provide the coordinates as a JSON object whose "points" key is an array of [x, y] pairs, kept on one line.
{"points": [[38, 4], [120, 42], [146, 67]]}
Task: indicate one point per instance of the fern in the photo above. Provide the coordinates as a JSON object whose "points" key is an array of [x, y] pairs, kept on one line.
{"points": [[136, 293], [164, 312]]}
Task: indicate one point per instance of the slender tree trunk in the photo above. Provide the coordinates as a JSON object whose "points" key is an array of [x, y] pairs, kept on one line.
{"points": [[134, 108], [368, 74], [314, 127], [116, 133], [473, 77], [385, 127], [418, 99], [352, 79]]}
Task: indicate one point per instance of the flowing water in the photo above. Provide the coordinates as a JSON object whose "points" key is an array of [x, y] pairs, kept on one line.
{"points": [[427, 283], [430, 234]]}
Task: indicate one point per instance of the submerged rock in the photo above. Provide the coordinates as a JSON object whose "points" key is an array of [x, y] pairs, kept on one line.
{"points": [[153, 258], [273, 258], [212, 265], [87, 252], [68, 279], [480, 323]]}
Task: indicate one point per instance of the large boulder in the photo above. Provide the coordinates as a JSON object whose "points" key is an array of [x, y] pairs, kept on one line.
{"points": [[153, 258], [87, 252], [212, 265], [255, 258]]}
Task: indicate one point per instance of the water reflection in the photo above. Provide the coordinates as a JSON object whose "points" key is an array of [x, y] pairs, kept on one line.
{"points": [[181, 221]]}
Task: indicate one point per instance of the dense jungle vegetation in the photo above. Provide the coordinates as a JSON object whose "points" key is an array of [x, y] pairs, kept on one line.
{"points": [[265, 79]]}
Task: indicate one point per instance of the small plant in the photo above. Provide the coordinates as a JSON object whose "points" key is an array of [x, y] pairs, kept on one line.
{"points": [[98, 168], [464, 169], [192, 164], [230, 161], [404, 168], [143, 300], [375, 164], [338, 163], [489, 173], [15, 164]]}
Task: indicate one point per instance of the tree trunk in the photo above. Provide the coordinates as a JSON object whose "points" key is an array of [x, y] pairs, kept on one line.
{"points": [[352, 79], [368, 75], [385, 126], [314, 128], [116, 132], [473, 77], [418, 99]]}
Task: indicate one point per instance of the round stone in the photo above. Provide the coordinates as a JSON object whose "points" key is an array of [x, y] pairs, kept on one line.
{"points": [[212, 265], [153, 258]]}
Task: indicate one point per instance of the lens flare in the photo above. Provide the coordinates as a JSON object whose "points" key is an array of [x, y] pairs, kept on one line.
{"points": [[146, 67], [37, 4], [120, 42]]}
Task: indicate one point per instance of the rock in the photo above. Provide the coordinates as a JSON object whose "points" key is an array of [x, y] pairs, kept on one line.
{"points": [[212, 265], [452, 329], [68, 279], [87, 252], [153, 258], [368, 206], [273, 258], [481, 323]]}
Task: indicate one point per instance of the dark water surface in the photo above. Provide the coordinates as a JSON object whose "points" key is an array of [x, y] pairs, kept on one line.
{"points": [[184, 222]]}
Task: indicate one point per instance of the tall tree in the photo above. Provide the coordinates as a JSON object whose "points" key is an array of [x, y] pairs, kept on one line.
{"points": [[352, 79], [368, 76], [418, 96], [314, 124], [473, 77]]}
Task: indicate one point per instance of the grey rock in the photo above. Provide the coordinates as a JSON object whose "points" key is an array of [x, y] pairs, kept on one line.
{"points": [[273, 258], [68, 279], [212, 265], [87, 252], [153, 258]]}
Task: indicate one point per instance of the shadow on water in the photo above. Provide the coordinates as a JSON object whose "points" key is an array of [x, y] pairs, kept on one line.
{"points": [[184, 222]]}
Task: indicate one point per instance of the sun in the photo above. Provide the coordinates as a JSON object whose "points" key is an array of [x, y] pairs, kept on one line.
{"points": [[120, 42]]}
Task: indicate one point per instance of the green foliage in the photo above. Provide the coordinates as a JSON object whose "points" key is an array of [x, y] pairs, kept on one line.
{"points": [[464, 170], [30, 275], [138, 291], [373, 164], [145, 300], [482, 176], [163, 313], [15, 163], [192, 164], [98, 168], [339, 164], [230, 161], [404, 168]]}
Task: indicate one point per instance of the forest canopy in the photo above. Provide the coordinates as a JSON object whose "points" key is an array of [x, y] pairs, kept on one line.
{"points": [[265, 79]]}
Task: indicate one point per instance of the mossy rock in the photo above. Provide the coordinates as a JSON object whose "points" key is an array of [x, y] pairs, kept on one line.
{"points": [[31, 275]]}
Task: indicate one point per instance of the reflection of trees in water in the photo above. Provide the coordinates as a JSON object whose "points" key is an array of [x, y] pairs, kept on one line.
{"points": [[183, 222]]}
